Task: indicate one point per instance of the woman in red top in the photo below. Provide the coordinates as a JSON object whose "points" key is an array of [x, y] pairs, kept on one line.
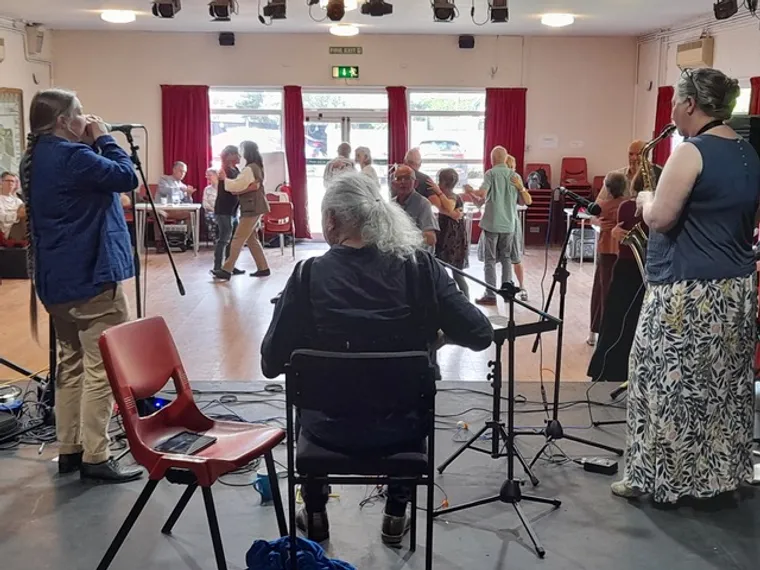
{"points": [[624, 298], [616, 185]]}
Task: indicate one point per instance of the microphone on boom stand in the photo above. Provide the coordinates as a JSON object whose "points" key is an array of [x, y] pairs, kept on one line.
{"points": [[592, 207]]}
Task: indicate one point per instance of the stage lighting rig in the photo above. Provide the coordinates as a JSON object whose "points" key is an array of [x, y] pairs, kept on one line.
{"points": [[221, 10], [444, 10], [724, 9], [377, 8], [335, 10], [275, 10], [498, 10], [166, 8]]}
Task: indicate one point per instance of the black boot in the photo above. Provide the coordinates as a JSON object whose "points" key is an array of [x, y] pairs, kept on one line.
{"points": [[315, 525], [69, 462], [110, 472], [261, 273]]}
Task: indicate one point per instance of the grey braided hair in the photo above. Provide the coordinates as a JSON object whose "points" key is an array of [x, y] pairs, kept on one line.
{"points": [[46, 108]]}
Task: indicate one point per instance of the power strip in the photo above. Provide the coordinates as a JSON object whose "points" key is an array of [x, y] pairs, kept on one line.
{"points": [[599, 465]]}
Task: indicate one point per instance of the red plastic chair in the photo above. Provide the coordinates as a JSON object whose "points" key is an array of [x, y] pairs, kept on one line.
{"points": [[140, 356], [279, 221], [574, 173], [596, 186]]}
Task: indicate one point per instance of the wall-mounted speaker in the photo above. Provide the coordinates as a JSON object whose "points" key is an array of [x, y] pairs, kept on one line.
{"points": [[466, 42], [226, 39]]}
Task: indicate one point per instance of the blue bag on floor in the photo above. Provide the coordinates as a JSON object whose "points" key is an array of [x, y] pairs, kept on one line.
{"points": [[275, 555]]}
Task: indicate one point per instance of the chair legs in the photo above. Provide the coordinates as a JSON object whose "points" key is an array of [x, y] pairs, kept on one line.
{"points": [[282, 244], [429, 523], [274, 484], [293, 531], [293, 242], [183, 500], [213, 525], [413, 526], [127, 525]]}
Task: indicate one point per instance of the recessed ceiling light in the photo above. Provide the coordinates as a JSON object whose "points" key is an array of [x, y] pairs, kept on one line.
{"points": [[557, 20], [348, 4], [118, 16], [344, 30]]}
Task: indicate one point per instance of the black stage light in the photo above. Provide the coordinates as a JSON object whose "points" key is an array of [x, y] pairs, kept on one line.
{"points": [[166, 8], [724, 9], [443, 10], [221, 10], [336, 9], [498, 10], [275, 9], [377, 8]]}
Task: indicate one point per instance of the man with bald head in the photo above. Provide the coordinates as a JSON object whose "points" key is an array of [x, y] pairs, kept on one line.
{"points": [[634, 163], [427, 187], [342, 163]]}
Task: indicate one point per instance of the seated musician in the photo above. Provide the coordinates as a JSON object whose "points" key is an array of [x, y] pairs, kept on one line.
{"points": [[12, 211], [375, 290]]}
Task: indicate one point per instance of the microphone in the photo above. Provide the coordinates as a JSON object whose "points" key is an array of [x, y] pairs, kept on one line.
{"points": [[122, 127], [592, 208]]}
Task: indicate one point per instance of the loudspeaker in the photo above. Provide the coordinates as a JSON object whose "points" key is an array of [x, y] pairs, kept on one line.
{"points": [[226, 39], [466, 42]]}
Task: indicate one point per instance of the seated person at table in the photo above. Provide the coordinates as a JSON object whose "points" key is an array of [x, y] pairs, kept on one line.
{"points": [[12, 211], [375, 290], [172, 190]]}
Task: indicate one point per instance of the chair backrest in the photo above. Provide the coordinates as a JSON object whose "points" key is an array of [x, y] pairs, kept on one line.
{"points": [[534, 166], [279, 218], [596, 186], [140, 357], [360, 384], [574, 171]]}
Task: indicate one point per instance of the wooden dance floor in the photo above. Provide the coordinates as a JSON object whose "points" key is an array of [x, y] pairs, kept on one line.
{"points": [[218, 327]]}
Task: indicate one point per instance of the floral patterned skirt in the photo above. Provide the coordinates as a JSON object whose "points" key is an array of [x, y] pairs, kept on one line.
{"points": [[691, 386]]}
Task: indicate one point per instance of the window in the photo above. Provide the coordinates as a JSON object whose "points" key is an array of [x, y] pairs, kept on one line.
{"points": [[240, 114], [741, 108], [448, 128]]}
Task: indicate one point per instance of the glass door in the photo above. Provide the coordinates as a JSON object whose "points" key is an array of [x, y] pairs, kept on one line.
{"points": [[325, 131]]}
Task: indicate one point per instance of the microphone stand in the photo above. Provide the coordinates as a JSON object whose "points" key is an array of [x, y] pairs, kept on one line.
{"points": [[553, 431], [510, 492], [134, 155]]}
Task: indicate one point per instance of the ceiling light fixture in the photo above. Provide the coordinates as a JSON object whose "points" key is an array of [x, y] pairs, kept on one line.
{"points": [[444, 10], [557, 20], [377, 8], [118, 16], [499, 10], [166, 8], [349, 4], [221, 10], [274, 10], [344, 30], [336, 9]]}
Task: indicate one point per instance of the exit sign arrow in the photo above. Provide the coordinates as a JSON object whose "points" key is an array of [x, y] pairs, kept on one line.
{"points": [[345, 72]]}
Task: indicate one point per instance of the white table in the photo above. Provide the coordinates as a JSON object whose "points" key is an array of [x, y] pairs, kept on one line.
{"points": [[583, 217], [141, 216], [471, 209]]}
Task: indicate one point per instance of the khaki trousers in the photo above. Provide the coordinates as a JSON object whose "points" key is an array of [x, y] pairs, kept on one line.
{"points": [[245, 234], [83, 399]]}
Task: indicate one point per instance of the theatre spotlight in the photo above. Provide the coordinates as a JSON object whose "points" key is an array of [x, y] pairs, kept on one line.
{"points": [[377, 8], [724, 9], [275, 10], [498, 10], [444, 10], [166, 8], [336, 9], [220, 10]]}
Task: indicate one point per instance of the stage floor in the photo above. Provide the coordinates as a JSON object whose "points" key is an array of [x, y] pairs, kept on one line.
{"points": [[218, 327], [55, 523]]}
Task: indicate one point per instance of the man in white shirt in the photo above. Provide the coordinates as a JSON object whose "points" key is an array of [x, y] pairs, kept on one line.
{"points": [[12, 210], [342, 163]]}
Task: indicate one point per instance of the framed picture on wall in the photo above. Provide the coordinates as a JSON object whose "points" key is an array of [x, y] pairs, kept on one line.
{"points": [[11, 129]]}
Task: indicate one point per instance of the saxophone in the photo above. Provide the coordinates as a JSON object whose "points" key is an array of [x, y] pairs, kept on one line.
{"points": [[637, 238]]}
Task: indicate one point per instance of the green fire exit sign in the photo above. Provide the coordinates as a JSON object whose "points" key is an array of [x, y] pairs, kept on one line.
{"points": [[345, 72]]}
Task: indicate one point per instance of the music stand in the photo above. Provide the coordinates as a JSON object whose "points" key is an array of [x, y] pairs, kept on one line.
{"points": [[553, 431], [510, 491]]}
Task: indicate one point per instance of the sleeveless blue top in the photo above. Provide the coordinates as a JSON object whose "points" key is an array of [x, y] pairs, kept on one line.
{"points": [[712, 239]]}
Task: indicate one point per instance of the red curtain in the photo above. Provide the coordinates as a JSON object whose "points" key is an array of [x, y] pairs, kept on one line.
{"points": [[754, 98], [505, 123], [663, 117], [398, 125], [186, 123], [295, 152]]}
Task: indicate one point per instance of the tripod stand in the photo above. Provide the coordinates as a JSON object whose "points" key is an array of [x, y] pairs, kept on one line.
{"points": [[510, 492], [553, 431]]}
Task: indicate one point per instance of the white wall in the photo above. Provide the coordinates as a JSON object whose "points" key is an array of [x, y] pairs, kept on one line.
{"points": [[18, 71], [579, 89], [737, 53]]}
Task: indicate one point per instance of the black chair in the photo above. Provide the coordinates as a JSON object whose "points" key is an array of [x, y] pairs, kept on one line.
{"points": [[361, 385]]}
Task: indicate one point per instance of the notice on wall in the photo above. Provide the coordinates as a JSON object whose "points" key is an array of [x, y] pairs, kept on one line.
{"points": [[549, 141], [576, 144], [334, 50]]}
